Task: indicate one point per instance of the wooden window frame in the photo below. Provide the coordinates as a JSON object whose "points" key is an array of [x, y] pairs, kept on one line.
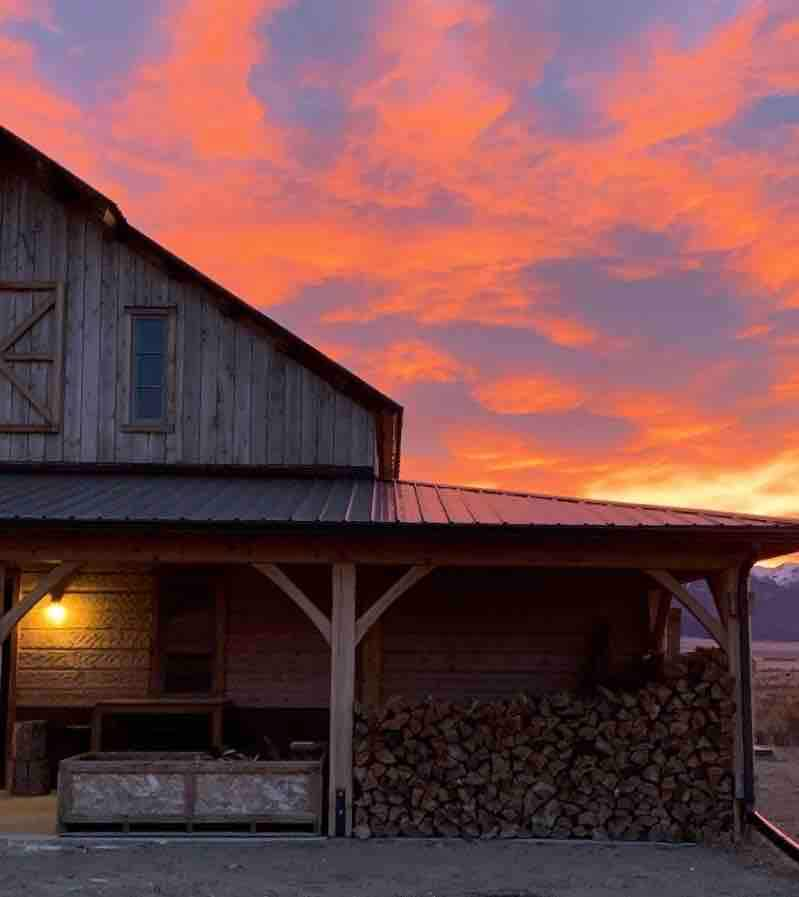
{"points": [[218, 679], [53, 410], [167, 423]]}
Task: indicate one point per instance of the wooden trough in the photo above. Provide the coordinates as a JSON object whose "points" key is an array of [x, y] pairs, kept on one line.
{"points": [[187, 792]]}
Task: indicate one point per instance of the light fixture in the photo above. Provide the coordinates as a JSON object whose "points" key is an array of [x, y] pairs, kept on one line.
{"points": [[56, 612]]}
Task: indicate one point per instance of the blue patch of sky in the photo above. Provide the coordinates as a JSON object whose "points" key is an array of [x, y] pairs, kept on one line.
{"points": [[761, 125], [553, 106], [441, 208], [311, 37], [93, 45], [578, 430], [694, 312], [309, 304], [590, 27], [588, 36]]}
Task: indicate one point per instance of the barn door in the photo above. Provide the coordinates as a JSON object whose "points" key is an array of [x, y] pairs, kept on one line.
{"points": [[31, 356]]}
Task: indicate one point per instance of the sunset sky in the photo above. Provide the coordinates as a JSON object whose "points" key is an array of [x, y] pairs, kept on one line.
{"points": [[564, 234]]}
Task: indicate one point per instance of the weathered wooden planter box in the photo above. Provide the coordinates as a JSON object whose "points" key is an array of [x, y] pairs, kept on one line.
{"points": [[139, 791]]}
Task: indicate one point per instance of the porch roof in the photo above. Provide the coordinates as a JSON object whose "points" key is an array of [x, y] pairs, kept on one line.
{"points": [[158, 497]]}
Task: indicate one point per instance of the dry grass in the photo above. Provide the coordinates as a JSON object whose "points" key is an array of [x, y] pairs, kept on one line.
{"points": [[776, 692]]}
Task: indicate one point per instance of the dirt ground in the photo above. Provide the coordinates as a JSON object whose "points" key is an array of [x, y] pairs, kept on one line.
{"points": [[386, 869]]}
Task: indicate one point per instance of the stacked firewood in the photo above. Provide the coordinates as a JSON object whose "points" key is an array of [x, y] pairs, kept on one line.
{"points": [[649, 764]]}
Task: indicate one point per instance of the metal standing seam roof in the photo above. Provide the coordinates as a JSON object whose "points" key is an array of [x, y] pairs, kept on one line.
{"points": [[264, 500]]}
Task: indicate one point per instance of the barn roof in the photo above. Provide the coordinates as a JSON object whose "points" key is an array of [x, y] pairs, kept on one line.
{"points": [[68, 187], [150, 496]]}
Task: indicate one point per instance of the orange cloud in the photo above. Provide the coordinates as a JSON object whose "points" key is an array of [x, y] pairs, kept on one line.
{"points": [[402, 363], [197, 97], [534, 394], [763, 488], [754, 332]]}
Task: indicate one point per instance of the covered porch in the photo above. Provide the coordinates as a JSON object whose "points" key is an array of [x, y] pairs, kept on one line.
{"points": [[273, 630]]}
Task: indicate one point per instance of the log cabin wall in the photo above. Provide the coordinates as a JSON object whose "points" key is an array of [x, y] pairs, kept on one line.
{"points": [[234, 397], [493, 633]]}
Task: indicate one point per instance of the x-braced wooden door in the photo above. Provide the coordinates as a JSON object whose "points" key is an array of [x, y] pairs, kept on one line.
{"points": [[31, 356]]}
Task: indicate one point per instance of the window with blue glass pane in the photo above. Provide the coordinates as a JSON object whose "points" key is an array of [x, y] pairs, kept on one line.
{"points": [[149, 370]]}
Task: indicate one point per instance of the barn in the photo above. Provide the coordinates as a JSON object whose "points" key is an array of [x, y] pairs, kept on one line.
{"points": [[207, 548]]}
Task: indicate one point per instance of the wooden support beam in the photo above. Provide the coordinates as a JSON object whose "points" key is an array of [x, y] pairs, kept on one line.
{"points": [[713, 626], [52, 583], [400, 587], [659, 604], [719, 585], [342, 699], [674, 633], [290, 588], [9, 594]]}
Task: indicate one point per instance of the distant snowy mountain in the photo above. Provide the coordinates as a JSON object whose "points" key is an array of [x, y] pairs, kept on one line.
{"points": [[784, 576], [775, 612]]}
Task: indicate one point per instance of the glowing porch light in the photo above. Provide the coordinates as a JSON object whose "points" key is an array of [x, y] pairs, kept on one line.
{"points": [[56, 612]]}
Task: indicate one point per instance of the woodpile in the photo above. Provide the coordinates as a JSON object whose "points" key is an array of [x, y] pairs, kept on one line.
{"points": [[653, 764]]}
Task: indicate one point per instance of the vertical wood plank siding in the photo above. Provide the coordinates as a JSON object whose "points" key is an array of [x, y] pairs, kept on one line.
{"points": [[235, 398], [450, 636], [275, 656]]}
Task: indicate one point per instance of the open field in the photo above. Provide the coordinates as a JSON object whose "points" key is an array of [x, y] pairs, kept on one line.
{"points": [[776, 691], [763, 650]]}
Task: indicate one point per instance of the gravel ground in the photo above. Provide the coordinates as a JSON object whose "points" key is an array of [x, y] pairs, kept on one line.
{"points": [[59, 868], [389, 869]]}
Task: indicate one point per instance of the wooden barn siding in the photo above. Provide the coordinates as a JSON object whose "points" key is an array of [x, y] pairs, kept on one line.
{"points": [[275, 656], [100, 652], [237, 400], [494, 633]]}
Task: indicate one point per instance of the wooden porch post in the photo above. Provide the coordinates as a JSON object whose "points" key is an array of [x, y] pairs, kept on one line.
{"points": [[674, 633], [9, 588], [342, 699], [725, 586]]}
